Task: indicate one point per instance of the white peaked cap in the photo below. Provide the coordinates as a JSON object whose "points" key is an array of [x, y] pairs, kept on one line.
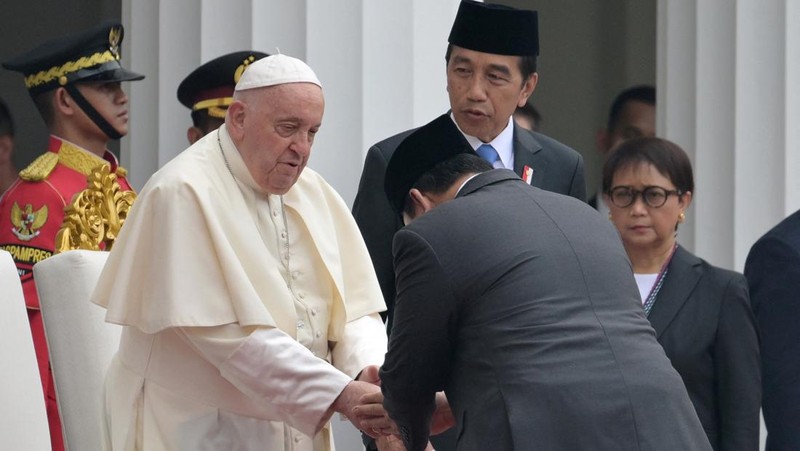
{"points": [[276, 70]]}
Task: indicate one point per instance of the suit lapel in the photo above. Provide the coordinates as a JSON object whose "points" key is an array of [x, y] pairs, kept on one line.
{"points": [[526, 148], [682, 278]]}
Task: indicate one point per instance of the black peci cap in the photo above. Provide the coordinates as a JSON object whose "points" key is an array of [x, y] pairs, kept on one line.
{"points": [[91, 55], [210, 86], [423, 149], [497, 29]]}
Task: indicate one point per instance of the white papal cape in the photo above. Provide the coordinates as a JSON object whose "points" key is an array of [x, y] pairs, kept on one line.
{"points": [[191, 257]]}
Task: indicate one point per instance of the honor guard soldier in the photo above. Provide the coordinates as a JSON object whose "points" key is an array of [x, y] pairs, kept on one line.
{"points": [[75, 83], [208, 90]]}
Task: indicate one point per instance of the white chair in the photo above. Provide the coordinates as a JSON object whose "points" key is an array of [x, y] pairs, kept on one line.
{"points": [[23, 418], [81, 342]]}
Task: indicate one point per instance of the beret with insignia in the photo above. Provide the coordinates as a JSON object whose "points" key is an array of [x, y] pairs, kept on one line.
{"points": [[210, 86], [90, 55]]}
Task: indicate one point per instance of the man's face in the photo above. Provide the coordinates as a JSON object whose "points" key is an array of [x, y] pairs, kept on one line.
{"points": [[110, 101], [193, 134], [636, 120], [279, 125], [485, 89]]}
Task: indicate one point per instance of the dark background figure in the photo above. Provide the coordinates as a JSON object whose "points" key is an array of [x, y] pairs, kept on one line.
{"points": [[74, 82], [528, 117], [701, 314], [773, 273], [208, 90], [632, 115], [534, 333], [8, 171]]}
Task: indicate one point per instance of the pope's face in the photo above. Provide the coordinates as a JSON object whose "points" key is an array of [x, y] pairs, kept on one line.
{"points": [[485, 89], [279, 126]]}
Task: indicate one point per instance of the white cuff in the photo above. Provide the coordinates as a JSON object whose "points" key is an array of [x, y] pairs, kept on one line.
{"points": [[274, 368]]}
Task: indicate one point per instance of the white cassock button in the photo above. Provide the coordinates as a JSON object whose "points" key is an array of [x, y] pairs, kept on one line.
{"points": [[283, 235], [301, 295], [297, 439], [301, 324], [275, 213], [319, 334], [313, 312], [295, 275]]}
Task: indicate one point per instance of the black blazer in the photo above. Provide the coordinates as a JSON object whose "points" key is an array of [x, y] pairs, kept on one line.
{"points": [[773, 272], [702, 318], [556, 168]]}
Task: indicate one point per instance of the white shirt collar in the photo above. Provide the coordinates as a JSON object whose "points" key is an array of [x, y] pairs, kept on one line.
{"points": [[465, 182]]}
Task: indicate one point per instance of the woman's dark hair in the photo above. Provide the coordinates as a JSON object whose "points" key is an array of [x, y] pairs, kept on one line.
{"points": [[667, 157]]}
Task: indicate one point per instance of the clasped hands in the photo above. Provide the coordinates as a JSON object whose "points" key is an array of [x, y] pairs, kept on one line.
{"points": [[368, 414]]}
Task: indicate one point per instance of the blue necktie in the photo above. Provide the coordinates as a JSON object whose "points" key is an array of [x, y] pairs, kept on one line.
{"points": [[487, 152]]}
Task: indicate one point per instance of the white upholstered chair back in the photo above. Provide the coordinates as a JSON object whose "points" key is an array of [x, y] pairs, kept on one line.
{"points": [[23, 419], [81, 343]]}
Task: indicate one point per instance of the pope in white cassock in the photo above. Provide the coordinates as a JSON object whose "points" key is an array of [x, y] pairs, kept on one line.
{"points": [[248, 299]]}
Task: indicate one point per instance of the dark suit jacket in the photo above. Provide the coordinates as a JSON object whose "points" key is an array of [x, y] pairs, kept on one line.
{"points": [[520, 304], [773, 272], [703, 320], [556, 167]]}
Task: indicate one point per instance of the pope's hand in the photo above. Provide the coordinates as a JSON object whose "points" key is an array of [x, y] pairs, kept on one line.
{"points": [[350, 397], [373, 417]]}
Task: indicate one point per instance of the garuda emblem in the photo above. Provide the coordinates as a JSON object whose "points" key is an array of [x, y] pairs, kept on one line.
{"points": [[27, 222]]}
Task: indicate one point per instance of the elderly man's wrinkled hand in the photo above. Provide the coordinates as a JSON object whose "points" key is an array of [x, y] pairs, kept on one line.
{"points": [[372, 417], [350, 398]]}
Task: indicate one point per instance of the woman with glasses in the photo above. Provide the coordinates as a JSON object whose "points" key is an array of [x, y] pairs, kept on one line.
{"points": [[701, 314]]}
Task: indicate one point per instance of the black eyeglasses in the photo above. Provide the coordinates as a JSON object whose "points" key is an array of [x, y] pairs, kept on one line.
{"points": [[653, 196]]}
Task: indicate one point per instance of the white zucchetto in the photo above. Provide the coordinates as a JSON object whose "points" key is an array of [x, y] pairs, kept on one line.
{"points": [[276, 70]]}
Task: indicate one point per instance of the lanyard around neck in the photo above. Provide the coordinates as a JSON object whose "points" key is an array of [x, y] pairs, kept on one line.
{"points": [[651, 298]]}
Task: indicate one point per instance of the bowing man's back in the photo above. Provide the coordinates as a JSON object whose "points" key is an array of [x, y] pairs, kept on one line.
{"points": [[535, 327]]}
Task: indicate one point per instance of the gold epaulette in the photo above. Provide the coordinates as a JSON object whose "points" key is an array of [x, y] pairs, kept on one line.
{"points": [[77, 159], [40, 168]]}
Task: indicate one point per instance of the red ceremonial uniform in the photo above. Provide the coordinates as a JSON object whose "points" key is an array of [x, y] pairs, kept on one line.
{"points": [[31, 212]]}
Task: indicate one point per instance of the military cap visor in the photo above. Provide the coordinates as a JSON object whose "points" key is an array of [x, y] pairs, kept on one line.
{"points": [[496, 29], [211, 85], [89, 56], [427, 146]]}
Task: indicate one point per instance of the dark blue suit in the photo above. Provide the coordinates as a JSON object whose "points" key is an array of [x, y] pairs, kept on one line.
{"points": [[773, 272]]}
